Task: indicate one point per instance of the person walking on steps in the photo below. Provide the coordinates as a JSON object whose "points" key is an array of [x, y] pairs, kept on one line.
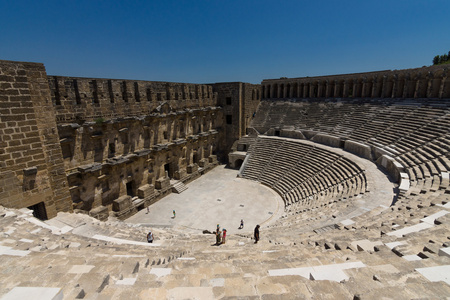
{"points": [[150, 237], [256, 234]]}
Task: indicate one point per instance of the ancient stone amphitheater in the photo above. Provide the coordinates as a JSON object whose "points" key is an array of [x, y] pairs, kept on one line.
{"points": [[361, 162]]}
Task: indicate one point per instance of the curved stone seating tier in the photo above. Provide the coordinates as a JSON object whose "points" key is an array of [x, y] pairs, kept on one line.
{"points": [[360, 119], [413, 132], [303, 174]]}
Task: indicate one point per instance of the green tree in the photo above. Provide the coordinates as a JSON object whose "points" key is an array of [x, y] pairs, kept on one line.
{"points": [[436, 60], [441, 59]]}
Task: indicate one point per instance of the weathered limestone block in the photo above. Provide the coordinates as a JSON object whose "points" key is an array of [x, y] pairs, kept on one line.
{"points": [[192, 168], [162, 183], [100, 213], [377, 152], [212, 159], [122, 203], [90, 168], [309, 134], [290, 133], [235, 157], [404, 182], [326, 139], [393, 167], [203, 163], [358, 149], [241, 147], [445, 180], [146, 191], [180, 174]]}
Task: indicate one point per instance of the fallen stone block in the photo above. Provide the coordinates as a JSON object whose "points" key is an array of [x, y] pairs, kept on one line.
{"points": [[37, 293]]}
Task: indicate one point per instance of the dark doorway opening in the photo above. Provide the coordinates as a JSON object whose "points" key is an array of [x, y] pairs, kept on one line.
{"points": [[238, 163], [130, 189], [111, 149], [39, 211], [170, 168], [167, 169], [277, 133], [195, 158]]}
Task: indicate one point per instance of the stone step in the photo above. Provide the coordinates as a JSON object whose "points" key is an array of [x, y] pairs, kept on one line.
{"points": [[179, 187]]}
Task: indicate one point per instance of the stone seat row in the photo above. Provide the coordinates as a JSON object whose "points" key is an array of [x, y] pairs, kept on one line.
{"points": [[315, 171], [415, 132], [332, 112], [419, 244], [130, 274], [347, 188], [388, 118], [404, 212], [429, 146]]}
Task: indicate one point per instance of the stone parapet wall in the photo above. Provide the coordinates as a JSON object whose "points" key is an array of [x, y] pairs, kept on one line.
{"points": [[87, 99], [425, 82], [31, 165]]}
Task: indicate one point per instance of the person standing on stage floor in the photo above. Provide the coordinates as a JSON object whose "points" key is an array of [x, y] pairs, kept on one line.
{"points": [[242, 224], [218, 237], [224, 235], [256, 234], [174, 214]]}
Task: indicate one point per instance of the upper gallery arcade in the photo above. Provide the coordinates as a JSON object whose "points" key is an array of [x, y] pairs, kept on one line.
{"points": [[425, 82]]}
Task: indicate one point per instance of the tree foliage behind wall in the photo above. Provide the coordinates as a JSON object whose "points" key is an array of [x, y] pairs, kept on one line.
{"points": [[442, 59]]}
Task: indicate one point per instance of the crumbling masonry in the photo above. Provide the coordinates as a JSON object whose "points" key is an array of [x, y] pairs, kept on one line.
{"points": [[109, 146]]}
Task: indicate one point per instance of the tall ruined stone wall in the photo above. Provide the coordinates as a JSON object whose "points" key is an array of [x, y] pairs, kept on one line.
{"points": [[426, 82], [252, 97], [115, 158], [87, 99], [239, 101], [31, 164], [122, 141], [99, 145]]}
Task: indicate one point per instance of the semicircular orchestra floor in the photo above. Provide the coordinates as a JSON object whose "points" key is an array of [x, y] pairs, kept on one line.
{"points": [[219, 197]]}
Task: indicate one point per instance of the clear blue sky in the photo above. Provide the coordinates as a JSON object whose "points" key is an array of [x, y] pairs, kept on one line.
{"points": [[204, 41]]}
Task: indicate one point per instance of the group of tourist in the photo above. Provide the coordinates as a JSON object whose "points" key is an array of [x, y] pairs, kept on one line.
{"points": [[220, 234]]}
